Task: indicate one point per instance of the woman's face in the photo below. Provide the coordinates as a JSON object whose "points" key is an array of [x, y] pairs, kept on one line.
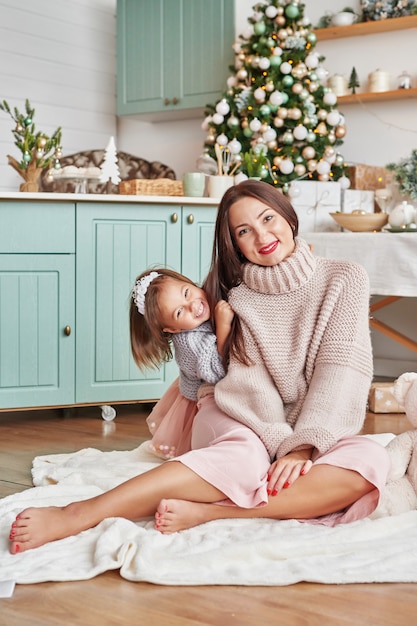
{"points": [[262, 235]]}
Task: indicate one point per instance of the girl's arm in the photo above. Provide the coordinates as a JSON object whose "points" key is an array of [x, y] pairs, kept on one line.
{"points": [[223, 316]]}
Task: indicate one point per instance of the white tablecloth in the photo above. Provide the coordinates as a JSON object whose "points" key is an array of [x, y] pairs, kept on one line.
{"points": [[389, 258]]}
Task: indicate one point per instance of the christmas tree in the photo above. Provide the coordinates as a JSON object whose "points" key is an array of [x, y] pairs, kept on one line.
{"points": [[276, 103], [109, 167]]}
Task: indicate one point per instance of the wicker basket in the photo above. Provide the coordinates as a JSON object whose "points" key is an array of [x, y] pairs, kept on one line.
{"points": [[154, 187]]}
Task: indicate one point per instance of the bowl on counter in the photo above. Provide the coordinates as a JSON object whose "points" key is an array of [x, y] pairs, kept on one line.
{"points": [[360, 221]]}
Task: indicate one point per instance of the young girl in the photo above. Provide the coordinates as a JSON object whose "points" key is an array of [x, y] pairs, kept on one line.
{"points": [[166, 306], [197, 350]]}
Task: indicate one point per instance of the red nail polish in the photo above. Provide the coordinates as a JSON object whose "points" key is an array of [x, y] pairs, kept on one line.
{"points": [[286, 485], [17, 547], [268, 477], [268, 491], [14, 525], [274, 493], [303, 472]]}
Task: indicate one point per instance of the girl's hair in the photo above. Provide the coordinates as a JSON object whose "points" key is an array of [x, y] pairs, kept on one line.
{"points": [[227, 261], [150, 345]]}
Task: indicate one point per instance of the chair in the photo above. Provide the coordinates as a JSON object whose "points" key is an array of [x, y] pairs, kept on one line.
{"points": [[130, 167]]}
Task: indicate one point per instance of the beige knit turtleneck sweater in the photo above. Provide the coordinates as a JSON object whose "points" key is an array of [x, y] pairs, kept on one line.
{"points": [[305, 327]]}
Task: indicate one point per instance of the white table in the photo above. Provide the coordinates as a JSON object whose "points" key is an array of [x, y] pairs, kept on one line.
{"points": [[390, 260]]}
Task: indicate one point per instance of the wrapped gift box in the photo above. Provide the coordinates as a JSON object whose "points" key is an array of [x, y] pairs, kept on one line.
{"points": [[358, 200], [369, 177], [314, 203], [381, 399]]}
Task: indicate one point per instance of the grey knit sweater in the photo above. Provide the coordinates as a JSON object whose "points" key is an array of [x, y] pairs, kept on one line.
{"points": [[305, 327], [198, 359]]}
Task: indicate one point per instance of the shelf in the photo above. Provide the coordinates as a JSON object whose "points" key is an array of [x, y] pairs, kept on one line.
{"points": [[358, 98], [366, 28]]}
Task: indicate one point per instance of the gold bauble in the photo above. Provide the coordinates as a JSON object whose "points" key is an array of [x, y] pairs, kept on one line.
{"points": [[322, 114], [278, 122], [242, 74], [244, 123], [300, 169], [322, 129], [308, 152], [297, 88], [340, 131], [272, 145], [282, 34], [264, 127], [311, 165], [270, 86], [277, 160], [282, 113]]}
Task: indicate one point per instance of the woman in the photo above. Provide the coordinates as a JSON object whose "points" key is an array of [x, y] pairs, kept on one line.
{"points": [[300, 364]]}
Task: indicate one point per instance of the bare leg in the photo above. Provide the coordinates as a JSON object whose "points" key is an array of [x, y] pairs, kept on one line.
{"points": [[133, 499], [325, 489]]}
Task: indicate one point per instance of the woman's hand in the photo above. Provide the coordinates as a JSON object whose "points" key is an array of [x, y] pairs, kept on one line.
{"points": [[285, 471]]}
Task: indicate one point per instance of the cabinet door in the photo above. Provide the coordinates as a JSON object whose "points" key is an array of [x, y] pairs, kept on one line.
{"points": [[172, 54], [115, 243], [36, 324], [197, 241]]}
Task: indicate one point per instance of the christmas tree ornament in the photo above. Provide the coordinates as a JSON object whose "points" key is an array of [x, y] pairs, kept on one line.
{"points": [[109, 168], [278, 92], [38, 150]]}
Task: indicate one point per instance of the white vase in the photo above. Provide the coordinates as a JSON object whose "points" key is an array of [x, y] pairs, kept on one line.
{"points": [[218, 185]]}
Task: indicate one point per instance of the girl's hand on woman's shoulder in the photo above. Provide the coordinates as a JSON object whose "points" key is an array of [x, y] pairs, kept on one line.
{"points": [[223, 313], [285, 471]]}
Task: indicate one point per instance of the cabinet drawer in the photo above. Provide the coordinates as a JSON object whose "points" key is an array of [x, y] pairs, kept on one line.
{"points": [[37, 227]]}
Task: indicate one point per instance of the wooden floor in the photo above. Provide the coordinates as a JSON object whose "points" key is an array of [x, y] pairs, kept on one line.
{"points": [[109, 599]]}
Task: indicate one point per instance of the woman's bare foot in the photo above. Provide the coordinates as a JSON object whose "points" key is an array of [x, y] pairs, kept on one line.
{"points": [[34, 527], [175, 515]]}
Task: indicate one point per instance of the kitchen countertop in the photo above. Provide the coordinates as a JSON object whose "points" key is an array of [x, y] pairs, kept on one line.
{"points": [[98, 197]]}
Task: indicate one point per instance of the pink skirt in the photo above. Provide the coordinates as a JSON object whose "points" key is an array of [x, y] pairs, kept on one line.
{"points": [[365, 456], [228, 455], [170, 423]]}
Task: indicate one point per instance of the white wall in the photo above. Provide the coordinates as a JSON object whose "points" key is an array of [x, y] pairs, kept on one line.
{"points": [[60, 54]]}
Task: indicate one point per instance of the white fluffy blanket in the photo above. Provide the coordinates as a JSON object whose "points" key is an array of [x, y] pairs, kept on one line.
{"points": [[224, 552]]}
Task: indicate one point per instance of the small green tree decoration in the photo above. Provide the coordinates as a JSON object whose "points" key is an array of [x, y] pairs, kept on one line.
{"points": [[38, 150], [353, 80], [255, 163]]}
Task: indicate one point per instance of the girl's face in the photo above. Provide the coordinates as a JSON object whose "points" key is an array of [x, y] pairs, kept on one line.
{"points": [[262, 235], [183, 306]]}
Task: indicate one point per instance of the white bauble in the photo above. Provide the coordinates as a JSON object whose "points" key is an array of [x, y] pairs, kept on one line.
{"points": [[286, 166], [223, 107], [333, 118], [312, 61], [217, 119], [277, 52], [235, 146], [276, 98], [231, 82], [330, 98], [255, 125], [322, 74], [260, 95], [300, 132], [269, 134], [285, 68], [271, 12], [300, 169], [264, 63], [294, 191], [344, 182], [323, 167], [222, 140]]}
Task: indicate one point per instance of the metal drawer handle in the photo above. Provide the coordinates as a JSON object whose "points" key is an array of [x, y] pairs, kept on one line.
{"points": [[174, 218], [67, 330], [190, 219]]}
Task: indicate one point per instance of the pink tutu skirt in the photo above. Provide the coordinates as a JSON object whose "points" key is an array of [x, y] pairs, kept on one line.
{"points": [[170, 423]]}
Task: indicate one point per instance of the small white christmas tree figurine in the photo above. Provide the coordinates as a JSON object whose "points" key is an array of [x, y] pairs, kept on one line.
{"points": [[109, 167]]}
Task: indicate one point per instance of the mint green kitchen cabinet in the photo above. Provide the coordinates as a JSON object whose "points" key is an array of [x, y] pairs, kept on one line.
{"points": [[37, 304], [115, 243], [172, 55]]}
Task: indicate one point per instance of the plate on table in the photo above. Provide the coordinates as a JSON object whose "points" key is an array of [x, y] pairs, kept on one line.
{"points": [[400, 229]]}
